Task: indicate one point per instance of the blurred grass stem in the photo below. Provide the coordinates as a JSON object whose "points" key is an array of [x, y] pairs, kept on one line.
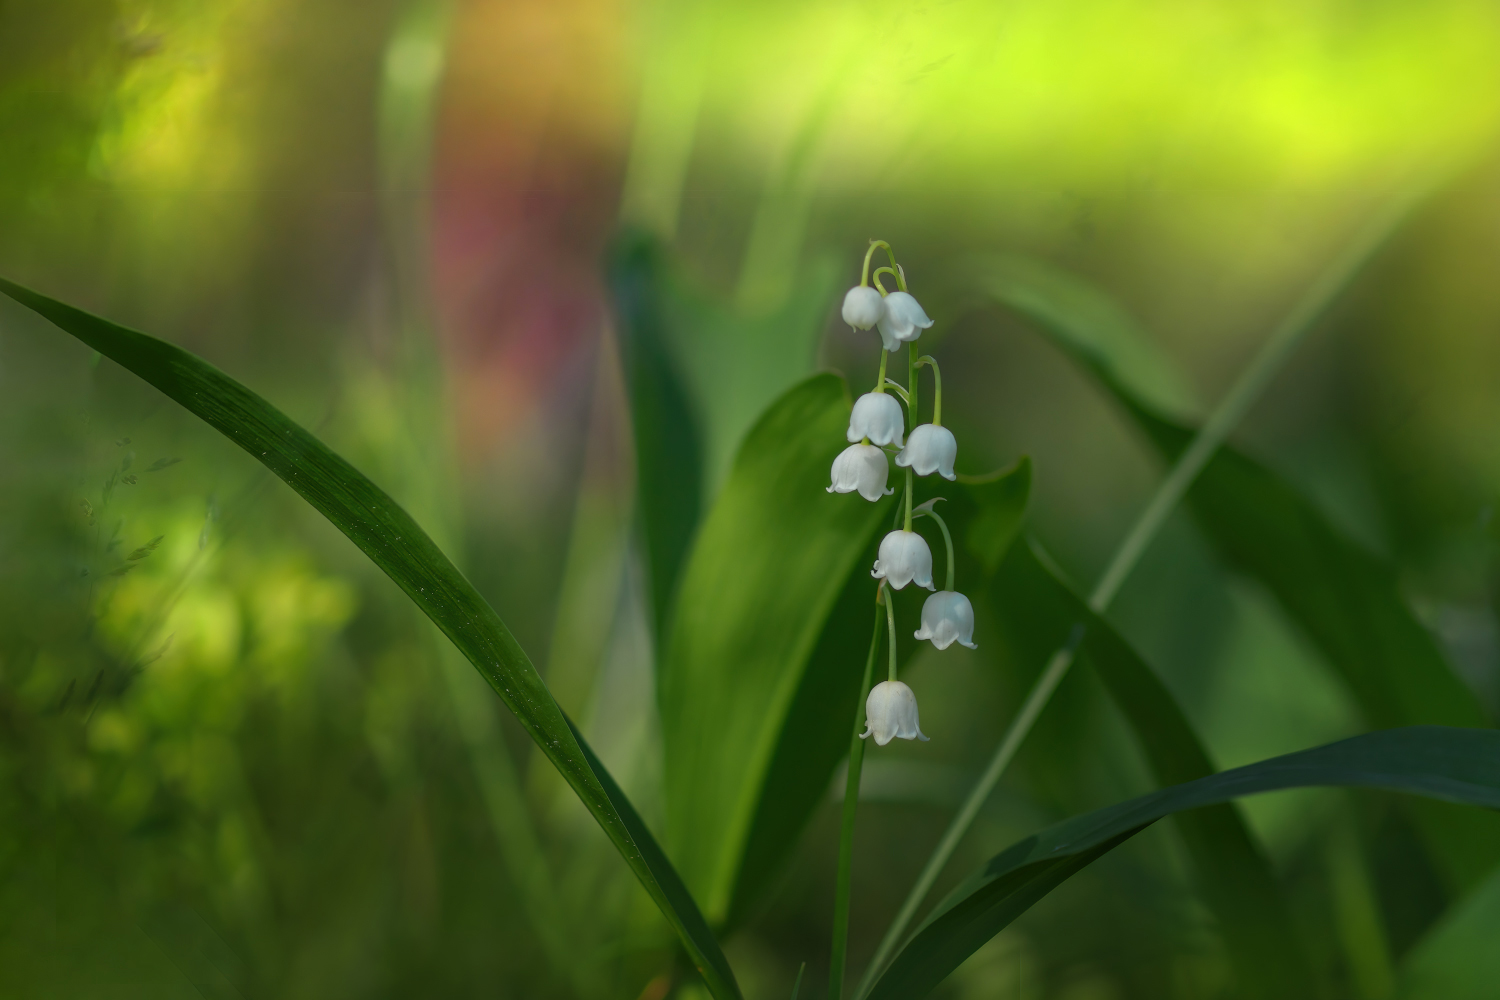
{"points": [[1284, 339], [839, 953]]}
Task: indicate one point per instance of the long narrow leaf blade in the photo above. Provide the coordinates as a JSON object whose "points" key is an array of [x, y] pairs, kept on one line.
{"points": [[1232, 874], [1346, 599], [1438, 762], [395, 543]]}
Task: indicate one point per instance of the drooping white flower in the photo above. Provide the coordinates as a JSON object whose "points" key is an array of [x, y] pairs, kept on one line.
{"points": [[876, 416], [902, 320], [947, 617], [930, 448], [904, 558], [891, 712], [862, 307], [861, 467]]}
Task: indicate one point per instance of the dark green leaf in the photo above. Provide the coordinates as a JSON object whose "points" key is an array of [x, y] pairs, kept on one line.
{"points": [[1039, 611], [1453, 765], [1347, 600], [700, 374], [395, 543]]}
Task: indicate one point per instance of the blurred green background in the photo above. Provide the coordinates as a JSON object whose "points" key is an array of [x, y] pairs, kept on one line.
{"points": [[235, 762]]}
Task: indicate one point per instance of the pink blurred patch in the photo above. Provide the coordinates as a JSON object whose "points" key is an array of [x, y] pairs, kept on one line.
{"points": [[529, 156]]}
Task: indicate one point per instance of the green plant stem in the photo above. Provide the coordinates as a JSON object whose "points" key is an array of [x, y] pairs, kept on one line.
{"points": [[1283, 340], [839, 953], [864, 274], [880, 379], [890, 624], [937, 388], [947, 539], [912, 388], [908, 498], [899, 390]]}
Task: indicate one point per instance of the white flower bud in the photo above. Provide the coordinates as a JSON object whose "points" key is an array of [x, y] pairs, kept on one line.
{"points": [[861, 467], [876, 416], [902, 320], [862, 307], [904, 558], [891, 712], [929, 449], [948, 617]]}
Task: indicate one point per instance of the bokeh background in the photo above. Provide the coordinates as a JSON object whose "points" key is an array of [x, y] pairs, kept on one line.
{"points": [[235, 762]]}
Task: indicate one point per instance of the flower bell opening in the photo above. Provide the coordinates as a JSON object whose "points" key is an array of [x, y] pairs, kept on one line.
{"points": [[863, 307], [877, 417], [904, 558], [902, 320], [930, 448], [947, 617], [891, 714], [862, 469]]}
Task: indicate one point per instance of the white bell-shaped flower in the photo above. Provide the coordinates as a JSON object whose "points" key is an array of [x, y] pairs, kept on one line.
{"points": [[930, 448], [891, 712], [862, 468], [904, 558], [862, 307], [876, 416], [947, 617], [902, 320]]}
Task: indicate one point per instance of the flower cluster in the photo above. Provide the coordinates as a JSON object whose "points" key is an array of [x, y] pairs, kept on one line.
{"points": [[878, 426]]}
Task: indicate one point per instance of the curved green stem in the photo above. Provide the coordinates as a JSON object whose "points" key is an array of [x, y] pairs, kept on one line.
{"points": [[864, 274], [947, 537], [890, 624], [885, 270], [899, 390], [908, 498], [911, 386], [937, 388], [839, 952]]}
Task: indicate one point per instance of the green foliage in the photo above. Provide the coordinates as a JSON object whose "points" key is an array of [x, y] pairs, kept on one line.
{"points": [[1233, 875], [700, 373], [1454, 765], [1347, 600], [395, 543]]}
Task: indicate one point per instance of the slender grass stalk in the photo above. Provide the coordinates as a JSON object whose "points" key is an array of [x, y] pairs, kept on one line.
{"points": [[1284, 339], [839, 952]]}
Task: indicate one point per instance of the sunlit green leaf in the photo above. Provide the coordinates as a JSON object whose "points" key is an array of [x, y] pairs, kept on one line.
{"points": [[395, 543], [1453, 765], [764, 579]]}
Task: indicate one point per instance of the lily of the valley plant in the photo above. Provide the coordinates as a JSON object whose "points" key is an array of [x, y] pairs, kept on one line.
{"points": [[878, 431]]}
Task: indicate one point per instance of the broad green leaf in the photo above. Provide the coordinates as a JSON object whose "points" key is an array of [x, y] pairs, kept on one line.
{"points": [[768, 569], [395, 543], [1039, 611], [1459, 958], [700, 373], [1439, 762], [1346, 599], [985, 512]]}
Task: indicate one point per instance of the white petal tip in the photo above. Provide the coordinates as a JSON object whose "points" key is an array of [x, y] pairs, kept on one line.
{"points": [[923, 737], [951, 477], [969, 645]]}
